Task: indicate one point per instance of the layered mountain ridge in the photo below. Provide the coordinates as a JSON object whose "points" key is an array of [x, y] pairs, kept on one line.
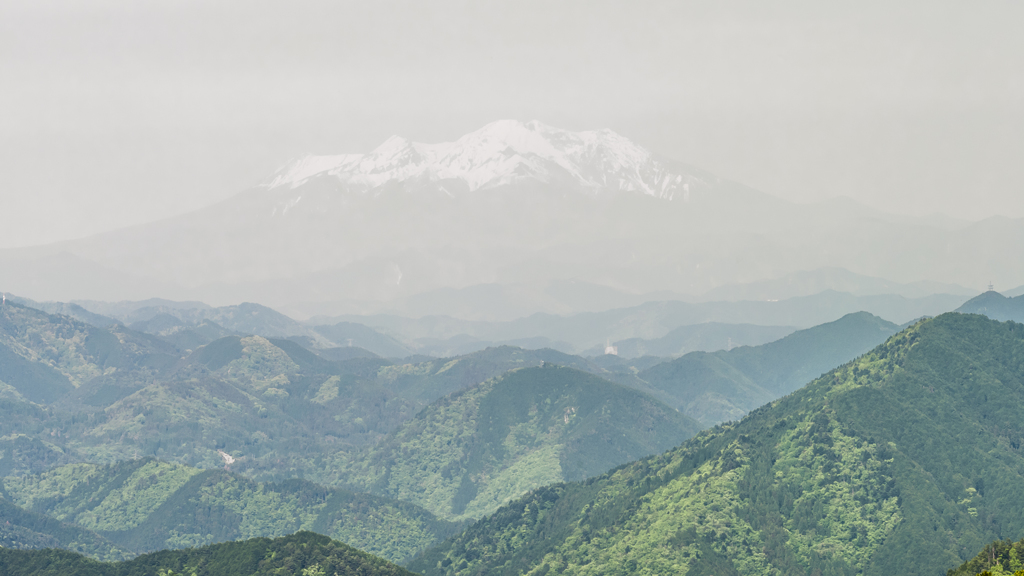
{"points": [[906, 460]]}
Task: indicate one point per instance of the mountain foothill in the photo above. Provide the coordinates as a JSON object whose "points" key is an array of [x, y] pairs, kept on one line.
{"points": [[668, 373]]}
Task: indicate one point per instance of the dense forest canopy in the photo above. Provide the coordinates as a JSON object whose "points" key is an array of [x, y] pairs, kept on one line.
{"points": [[300, 554], [904, 461]]}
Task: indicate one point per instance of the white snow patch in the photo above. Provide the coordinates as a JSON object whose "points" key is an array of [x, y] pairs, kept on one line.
{"points": [[500, 153]]}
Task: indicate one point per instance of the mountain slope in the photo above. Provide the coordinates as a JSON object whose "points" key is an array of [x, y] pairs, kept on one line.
{"points": [[72, 392], [67, 309], [995, 306], [79, 351], [103, 395], [300, 553], [429, 380], [156, 315], [724, 385], [146, 505], [516, 203], [468, 453], [1000, 558], [904, 461], [21, 529], [352, 334], [709, 336]]}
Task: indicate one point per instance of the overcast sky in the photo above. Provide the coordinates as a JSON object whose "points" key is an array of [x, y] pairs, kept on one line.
{"points": [[121, 112]]}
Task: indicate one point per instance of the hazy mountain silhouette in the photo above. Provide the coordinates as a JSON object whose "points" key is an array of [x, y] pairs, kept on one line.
{"points": [[512, 203]]}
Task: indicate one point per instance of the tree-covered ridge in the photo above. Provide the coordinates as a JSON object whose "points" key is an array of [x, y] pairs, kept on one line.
{"points": [[278, 408], [72, 392], [67, 353], [1000, 558], [995, 306], [467, 454], [716, 387], [302, 553], [148, 505], [25, 530], [271, 409], [429, 380], [904, 461]]}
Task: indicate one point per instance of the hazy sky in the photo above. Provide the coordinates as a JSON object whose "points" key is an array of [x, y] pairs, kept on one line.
{"points": [[116, 113]]}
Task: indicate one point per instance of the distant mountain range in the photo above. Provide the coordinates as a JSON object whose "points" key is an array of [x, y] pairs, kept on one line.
{"points": [[724, 385], [523, 206], [665, 328], [709, 336], [995, 306], [510, 301], [589, 332]]}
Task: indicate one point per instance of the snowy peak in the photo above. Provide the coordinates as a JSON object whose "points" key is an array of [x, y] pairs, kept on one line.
{"points": [[502, 153]]}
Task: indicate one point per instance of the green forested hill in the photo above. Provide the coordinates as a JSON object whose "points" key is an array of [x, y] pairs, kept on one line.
{"points": [[466, 454], [22, 529], [995, 306], [432, 379], [300, 554], [1000, 558], [70, 392], [904, 461], [718, 386], [75, 350], [74, 392], [146, 505]]}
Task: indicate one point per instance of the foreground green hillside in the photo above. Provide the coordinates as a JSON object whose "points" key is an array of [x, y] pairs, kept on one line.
{"points": [[905, 461], [469, 453], [302, 553], [1000, 558], [719, 386], [146, 505]]}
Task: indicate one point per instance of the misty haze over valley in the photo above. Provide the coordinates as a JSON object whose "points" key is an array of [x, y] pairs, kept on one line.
{"points": [[586, 288]]}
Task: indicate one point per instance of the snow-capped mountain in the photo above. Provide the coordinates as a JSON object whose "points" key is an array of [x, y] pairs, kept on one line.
{"points": [[511, 204], [499, 154]]}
